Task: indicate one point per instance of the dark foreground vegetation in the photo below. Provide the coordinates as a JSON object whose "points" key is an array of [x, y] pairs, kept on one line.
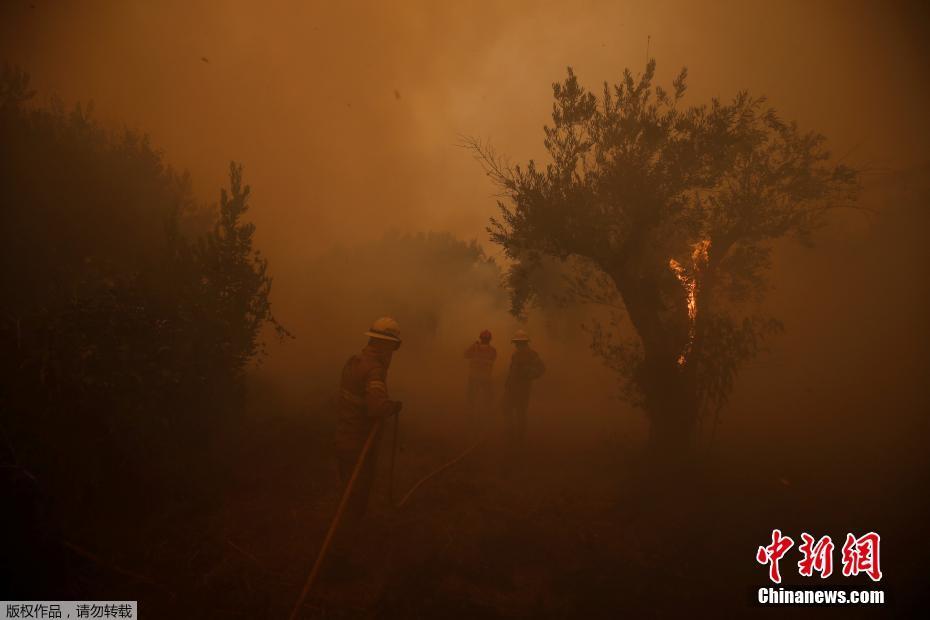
{"points": [[127, 317]]}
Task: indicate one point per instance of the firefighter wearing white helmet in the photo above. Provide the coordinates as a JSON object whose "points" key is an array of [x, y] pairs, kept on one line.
{"points": [[525, 367], [363, 399], [385, 328]]}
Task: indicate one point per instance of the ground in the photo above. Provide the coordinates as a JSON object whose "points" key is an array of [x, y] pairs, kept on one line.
{"points": [[574, 525]]}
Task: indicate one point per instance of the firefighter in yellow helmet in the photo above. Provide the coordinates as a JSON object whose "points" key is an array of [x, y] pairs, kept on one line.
{"points": [[480, 356], [363, 399], [525, 367]]}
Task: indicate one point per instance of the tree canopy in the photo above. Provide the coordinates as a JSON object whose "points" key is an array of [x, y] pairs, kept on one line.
{"points": [[667, 213]]}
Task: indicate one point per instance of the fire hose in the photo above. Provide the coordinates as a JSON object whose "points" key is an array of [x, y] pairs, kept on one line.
{"points": [[347, 493], [315, 571], [436, 472]]}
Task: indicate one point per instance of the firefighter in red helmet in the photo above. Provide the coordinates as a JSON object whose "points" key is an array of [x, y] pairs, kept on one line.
{"points": [[480, 356]]}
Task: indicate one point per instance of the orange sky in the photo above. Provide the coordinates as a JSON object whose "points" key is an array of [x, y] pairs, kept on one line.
{"points": [[304, 93]]}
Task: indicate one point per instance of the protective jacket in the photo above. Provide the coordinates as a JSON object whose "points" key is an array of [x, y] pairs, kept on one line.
{"points": [[363, 398], [479, 394], [525, 367], [480, 358], [363, 395]]}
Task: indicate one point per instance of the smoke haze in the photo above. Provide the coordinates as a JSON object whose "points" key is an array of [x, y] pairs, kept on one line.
{"points": [[349, 116]]}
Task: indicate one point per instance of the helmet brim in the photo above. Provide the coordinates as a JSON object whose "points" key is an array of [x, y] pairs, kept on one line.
{"points": [[381, 336]]}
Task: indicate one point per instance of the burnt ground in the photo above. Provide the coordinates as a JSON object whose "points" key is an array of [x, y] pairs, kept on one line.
{"points": [[573, 526]]}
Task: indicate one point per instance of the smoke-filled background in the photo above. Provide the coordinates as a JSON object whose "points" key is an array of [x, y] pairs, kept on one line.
{"points": [[349, 120]]}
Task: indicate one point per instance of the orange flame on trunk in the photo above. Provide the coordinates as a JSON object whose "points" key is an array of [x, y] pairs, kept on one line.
{"points": [[689, 282]]}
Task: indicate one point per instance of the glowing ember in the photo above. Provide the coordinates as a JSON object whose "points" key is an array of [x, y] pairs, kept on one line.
{"points": [[689, 282]]}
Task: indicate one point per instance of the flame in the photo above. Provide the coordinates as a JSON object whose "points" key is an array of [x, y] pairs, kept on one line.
{"points": [[689, 282]]}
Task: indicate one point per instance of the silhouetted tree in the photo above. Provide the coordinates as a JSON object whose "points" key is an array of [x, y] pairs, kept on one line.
{"points": [[234, 284], [666, 214], [127, 311]]}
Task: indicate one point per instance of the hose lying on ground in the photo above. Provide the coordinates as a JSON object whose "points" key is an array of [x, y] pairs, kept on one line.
{"points": [[311, 578], [314, 573], [427, 477]]}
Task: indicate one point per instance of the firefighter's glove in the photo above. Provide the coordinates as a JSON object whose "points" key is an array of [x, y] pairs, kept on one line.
{"points": [[389, 409]]}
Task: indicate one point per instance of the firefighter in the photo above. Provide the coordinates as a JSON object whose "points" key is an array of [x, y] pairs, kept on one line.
{"points": [[525, 367], [480, 356], [363, 400]]}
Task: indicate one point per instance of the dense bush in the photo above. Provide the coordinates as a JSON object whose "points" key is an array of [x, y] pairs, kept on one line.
{"points": [[128, 312]]}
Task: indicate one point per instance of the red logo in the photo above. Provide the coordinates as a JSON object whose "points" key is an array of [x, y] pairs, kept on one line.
{"points": [[773, 553], [817, 557], [860, 555]]}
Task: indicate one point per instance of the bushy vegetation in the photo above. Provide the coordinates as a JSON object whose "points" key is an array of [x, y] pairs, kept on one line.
{"points": [[128, 311]]}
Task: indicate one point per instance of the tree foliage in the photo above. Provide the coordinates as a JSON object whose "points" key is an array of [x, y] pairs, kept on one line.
{"points": [[666, 213], [128, 311]]}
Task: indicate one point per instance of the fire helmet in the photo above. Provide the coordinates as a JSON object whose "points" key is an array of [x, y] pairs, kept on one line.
{"points": [[385, 328], [485, 336], [520, 336]]}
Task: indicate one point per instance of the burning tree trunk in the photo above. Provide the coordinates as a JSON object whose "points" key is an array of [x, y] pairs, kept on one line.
{"points": [[665, 376]]}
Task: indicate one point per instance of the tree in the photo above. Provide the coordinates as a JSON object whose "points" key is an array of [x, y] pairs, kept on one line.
{"points": [[233, 284], [667, 214], [128, 311]]}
